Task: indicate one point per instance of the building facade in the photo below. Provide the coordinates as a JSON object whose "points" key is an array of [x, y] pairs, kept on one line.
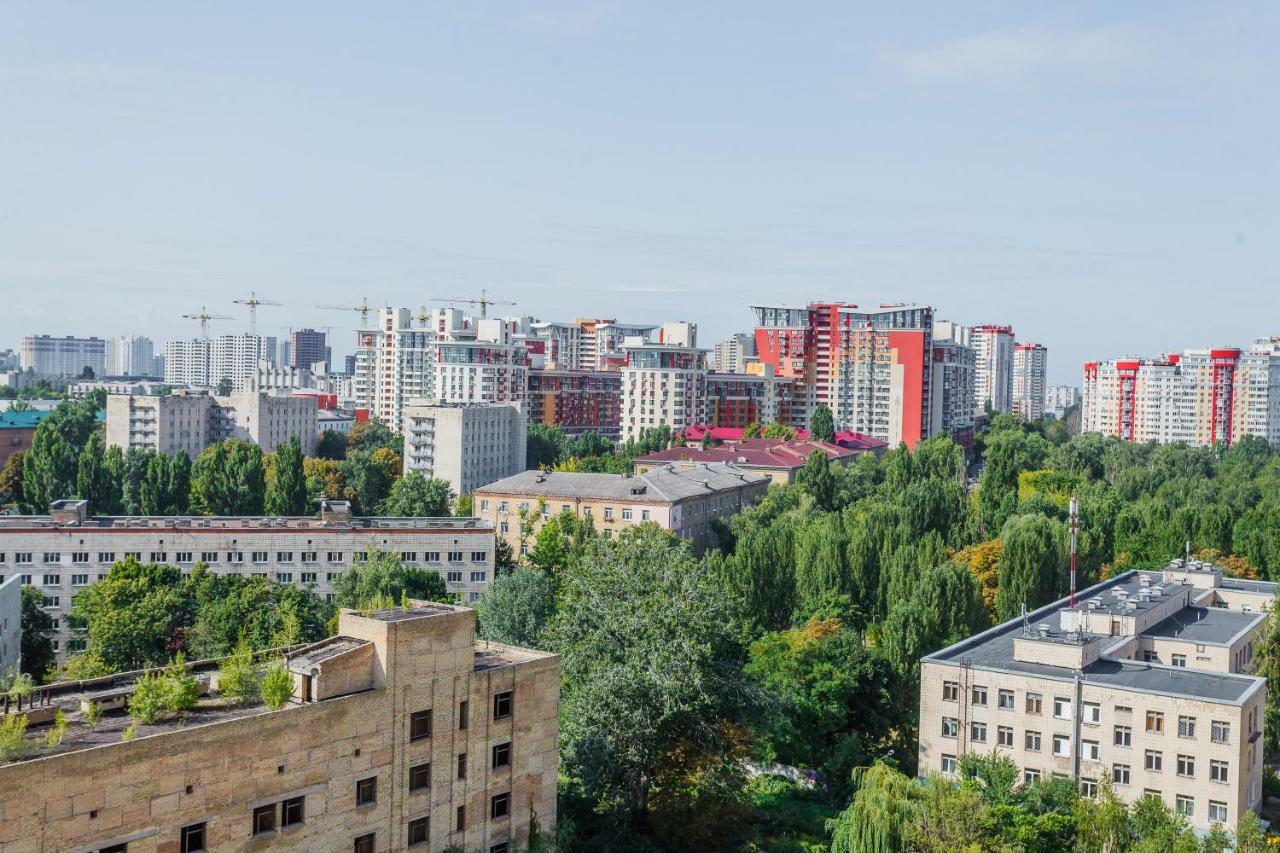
{"points": [[1146, 682], [779, 460], [46, 355], [759, 396], [10, 625], [603, 342], [65, 551], [402, 731], [308, 347], [190, 422], [993, 371], [684, 498], [577, 401], [733, 353], [206, 363], [1030, 365], [1059, 398], [664, 383], [131, 355], [465, 444], [951, 410]]}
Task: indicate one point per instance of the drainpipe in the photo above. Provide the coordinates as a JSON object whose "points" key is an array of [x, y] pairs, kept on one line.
{"points": [[1078, 709]]}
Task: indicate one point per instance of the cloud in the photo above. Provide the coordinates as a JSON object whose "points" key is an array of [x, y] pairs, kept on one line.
{"points": [[1003, 55]]}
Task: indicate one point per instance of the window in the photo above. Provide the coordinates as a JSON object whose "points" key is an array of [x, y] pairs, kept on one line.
{"points": [[419, 725], [1186, 726], [1004, 700], [1179, 660], [1217, 812], [205, 557], [978, 732], [950, 691], [1089, 750], [52, 580], [979, 695], [1089, 788], [499, 805], [455, 556], [1184, 805], [23, 557], [1029, 776], [284, 556], [1031, 741], [626, 513], [1061, 746], [462, 765], [183, 557], [193, 838], [478, 577], [1186, 766], [308, 577], [454, 577], [1061, 708], [50, 557], [1004, 736], [235, 556], [462, 819], [949, 764], [80, 557], [1150, 656], [264, 819], [158, 557], [292, 811], [308, 556], [608, 513], [1153, 760], [420, 777], [367, 791], [1034, 703], [950, 727], [79, 580], [464, 712], [502, 705], [432, 556], [1123, 736], [644, 515], [1120, 774], [284, 577], [419, 831], [1218, 771], [334, 556], [1220, 732], [367, 843], [1090, 713], [479, 556], [501, 755], [1155, 721]]}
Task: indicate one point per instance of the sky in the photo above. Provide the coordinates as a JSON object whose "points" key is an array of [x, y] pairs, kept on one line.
{"points": [[1102, 176]]}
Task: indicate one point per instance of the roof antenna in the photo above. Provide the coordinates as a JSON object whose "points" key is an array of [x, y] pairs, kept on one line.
{"points": [[1186, 561], [1075, 525], [1026, 624]]}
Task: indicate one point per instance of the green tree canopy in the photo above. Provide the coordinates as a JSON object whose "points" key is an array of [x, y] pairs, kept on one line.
{"points": [[414, 494]]}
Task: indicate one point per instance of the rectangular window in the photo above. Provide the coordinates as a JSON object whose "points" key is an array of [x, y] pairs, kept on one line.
{"points": [[1153, 760], [367, 843], [455, 556], [284, 556], [1184, 805], [978, 732], [644, 515], [419, 725], [479, 556], [501, 755], [183, 557], [419, 831], [193, 838], [367, 791], [1089, 750], [264, 819], [499, 805], [334, 556], [284, 577], [503, 704], [80, 557], [1089, 788], [1155, 721], [52, 580], [79, 580], [949, 765], [1186, 766], [292, 811], [106, 556], [1218, 771], [1186, 727], [462, 819], [1031, 741], [1061, 746], [1090, 713], [50, 557], [1120, 774], [1123, 736], [626, 513], [950, 691], [950, 727], [454, 577], [235, 556], [205, 556], [308, 577], [433, 556], [22, 557], [1217, 812], [478, 577], [979, 696], [1004, 700], [1034, 703], [158, 557], [1220, 732], [1004, 736], [420, 777], [308, 556], [1061, 708], [1029, 775], [1179, 660], [462, 765]]}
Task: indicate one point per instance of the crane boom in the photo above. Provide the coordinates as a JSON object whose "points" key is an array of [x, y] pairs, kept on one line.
{"points": [[484, 301], [362, 308], [204, 317], [253, 302]]}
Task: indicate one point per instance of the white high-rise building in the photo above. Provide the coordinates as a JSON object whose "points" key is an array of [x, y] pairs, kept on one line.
{"points": [[664, 383], [1029, 380], [951, 411], [201, 362], [1059, 398], [130, 355], [45, 355], [187, 362], [993, 370], [732, 354], [468, 445]]}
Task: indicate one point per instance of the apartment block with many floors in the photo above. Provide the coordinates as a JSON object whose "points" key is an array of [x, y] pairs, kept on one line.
{"points": [[993, 369], [1145, 682], [68, 549], [759, 395], [664, 383], [734, 353], [190, 422], [130, 355], [951, 410], [1030, 364], [402, 732], [46, 355], [577, 401], [465, 444]]}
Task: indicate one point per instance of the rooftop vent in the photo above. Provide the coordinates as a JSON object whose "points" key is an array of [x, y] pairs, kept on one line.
{"points": [[1145, 580], [1043, 629]]}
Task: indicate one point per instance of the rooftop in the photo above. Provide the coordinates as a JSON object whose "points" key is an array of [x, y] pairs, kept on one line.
{"points": [[670, 483], [1206, 625], [753, 452]]}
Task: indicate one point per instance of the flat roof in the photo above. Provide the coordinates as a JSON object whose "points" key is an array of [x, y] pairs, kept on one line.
{"points": [[1211, 625], [667, 483], [198, 523]]}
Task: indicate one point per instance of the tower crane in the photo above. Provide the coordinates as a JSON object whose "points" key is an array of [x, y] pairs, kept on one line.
{"points": [[363, 308], [253, 302], [484, 302], [204, 317]]}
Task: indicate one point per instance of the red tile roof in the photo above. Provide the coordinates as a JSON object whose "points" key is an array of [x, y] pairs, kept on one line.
{"points": [[757, 452]]}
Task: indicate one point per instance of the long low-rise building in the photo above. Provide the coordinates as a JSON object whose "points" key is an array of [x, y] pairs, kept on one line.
{"points": [[65, 551], [402, 732], [1146, 682], [776, 459], [681, 497]]}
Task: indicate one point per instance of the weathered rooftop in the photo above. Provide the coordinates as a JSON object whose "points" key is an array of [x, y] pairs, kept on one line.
{"points": [[1206, 625], [670, 483]]}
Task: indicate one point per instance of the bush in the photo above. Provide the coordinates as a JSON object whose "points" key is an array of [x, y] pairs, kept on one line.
{"points": [[53, 737], [92, 714], [13, 744], [238, 677], [277, 687], [147, 702], [181, 690]]}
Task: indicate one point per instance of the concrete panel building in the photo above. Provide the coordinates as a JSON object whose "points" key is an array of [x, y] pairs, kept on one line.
{"points": [[190, 422], [681, 497], [993, 371], [467, 445], [1147, 681], [664, 383], [68, 549], [734, 353], [10, 625], [130, 355], [403, 732], [46, 355], [1030, 365]]}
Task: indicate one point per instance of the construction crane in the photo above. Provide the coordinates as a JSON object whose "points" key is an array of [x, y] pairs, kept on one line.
{"points": [[423, 316], [253, 302], [484, 302], [363, 308], [204, 317]]}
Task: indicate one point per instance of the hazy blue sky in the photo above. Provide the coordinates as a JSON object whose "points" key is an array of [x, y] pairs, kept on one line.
{"points": [[1102, 176]]}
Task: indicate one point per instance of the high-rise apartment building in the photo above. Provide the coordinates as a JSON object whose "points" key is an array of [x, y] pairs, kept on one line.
{"points": [[759, 395], [1030, 363], [951, 410], [563, 345], [394, 363], [131, 355], [993, 371], [465, 444], [45, 355], [1059, 398], [493, 367], [664, 383], [1145, 682], [236, 358], [402, 732], [873, 368], [733, 353], [1201, 396], [306, 347], [603, 342], [577, 401], [191, 422]]}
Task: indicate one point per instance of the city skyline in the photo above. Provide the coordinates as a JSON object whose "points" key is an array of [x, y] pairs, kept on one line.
{"points": [[1064, 171]]}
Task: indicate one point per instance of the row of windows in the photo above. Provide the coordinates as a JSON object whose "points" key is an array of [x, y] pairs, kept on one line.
{"points": [[627, 512], [1090, 712], [82, 557], [420, 722]]}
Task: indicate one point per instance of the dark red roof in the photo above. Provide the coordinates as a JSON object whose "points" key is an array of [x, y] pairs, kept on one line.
{"points": [[695, 433], [760, 452], [859, 441]]}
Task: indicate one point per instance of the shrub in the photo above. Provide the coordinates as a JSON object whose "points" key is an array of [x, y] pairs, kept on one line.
{"points": [[92, 714], [129, 733], [181, 690], [53, 737], [238, 677], [13, 744], [277, 686], [148, 700]]}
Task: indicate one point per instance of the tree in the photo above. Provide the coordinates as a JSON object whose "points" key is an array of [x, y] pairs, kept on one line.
{"points": [[560, 542], [154, 492], [287, 493], [816, 479], [228, 478], [369, 475], [49, 469], [37, 634], [238, 676], [224, 386], [1030, 565], [88, 373], [383, 577], [822, 424], [546, 446], [415, 495], [944, 607], [277, 687], [331, 445], [516, 608], [98, 476], [11, 479], [879, 818], [133, 618], [651, 671]]}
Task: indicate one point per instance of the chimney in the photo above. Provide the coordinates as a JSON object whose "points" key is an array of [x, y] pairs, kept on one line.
{"points": [[70, 513]]}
